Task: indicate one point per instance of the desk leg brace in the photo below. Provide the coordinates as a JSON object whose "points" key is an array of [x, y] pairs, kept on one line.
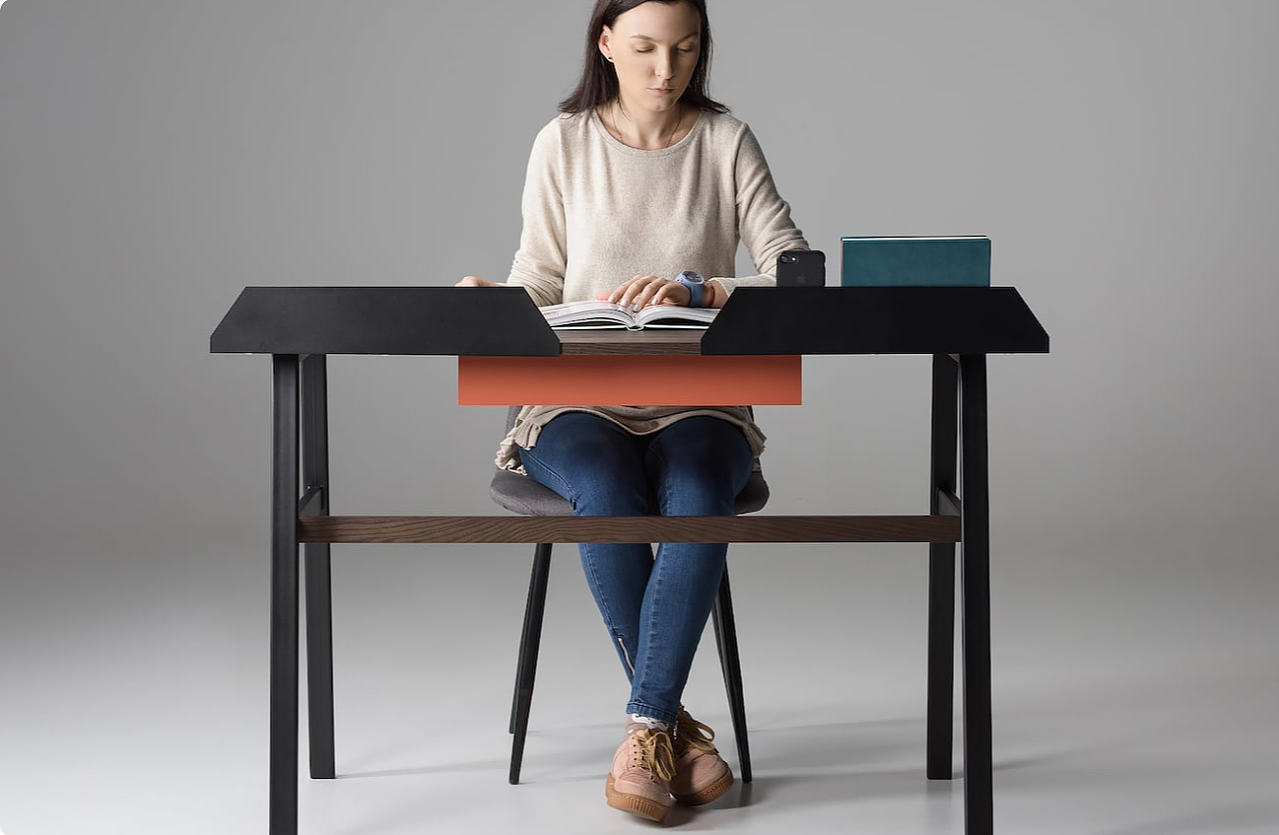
{"points": [[283, 806], [975, 597]]}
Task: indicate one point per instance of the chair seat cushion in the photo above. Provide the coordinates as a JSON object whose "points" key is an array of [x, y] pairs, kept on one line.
{"points": [[521, 494]]}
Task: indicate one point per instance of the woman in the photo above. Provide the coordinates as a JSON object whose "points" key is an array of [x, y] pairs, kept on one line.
{"points": [[645, 176]]}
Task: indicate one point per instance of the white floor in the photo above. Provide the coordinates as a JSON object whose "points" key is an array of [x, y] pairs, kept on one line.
{"points": [[1135, 693]]}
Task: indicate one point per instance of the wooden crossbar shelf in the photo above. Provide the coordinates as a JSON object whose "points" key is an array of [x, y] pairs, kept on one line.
{"points": [[532, 529]]}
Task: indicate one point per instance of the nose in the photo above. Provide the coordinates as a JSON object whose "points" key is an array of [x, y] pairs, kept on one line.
{"points": [[664, 69]]}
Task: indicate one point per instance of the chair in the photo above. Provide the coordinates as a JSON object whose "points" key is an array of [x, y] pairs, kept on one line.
{"points": [[523, 495]]}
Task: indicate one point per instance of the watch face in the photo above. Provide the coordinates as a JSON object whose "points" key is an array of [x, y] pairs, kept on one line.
{"points": [[695, 283]]}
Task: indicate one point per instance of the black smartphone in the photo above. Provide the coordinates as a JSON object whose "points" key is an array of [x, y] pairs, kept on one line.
{"points": [[801, 268]]}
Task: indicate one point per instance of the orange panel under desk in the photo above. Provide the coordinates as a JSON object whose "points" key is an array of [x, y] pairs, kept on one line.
{"points": [[629, 380]]}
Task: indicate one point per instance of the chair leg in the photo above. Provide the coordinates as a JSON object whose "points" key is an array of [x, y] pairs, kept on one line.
{"points": [[718, 624], [530, 640], [731, 663], [524, 630]]}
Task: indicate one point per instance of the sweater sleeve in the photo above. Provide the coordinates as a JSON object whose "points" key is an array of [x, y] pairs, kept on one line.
{"points": [[763, 217], [542, 257]]}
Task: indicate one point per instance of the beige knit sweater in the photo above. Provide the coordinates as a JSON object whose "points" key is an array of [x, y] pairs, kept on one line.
{"points": [[598, 212]]}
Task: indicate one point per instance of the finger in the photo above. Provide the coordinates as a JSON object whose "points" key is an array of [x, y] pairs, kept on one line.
{"points": [[635, 296], [620, 291], [663, 294], [644, 290], [674, 294], [660, 291], [630, 290]]}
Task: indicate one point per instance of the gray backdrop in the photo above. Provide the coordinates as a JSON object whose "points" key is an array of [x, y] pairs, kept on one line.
{"points": [[156, 157]]}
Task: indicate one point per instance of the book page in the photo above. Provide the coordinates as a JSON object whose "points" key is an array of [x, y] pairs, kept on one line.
{"points": [[602, 314], [674, 316], [588, 314]]}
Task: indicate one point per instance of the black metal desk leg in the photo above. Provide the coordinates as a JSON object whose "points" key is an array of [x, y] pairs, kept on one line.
{"points": [[941, 573], [319, 605], [284, 597], [975, 596]]}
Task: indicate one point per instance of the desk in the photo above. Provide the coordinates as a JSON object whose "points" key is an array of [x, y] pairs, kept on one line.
{"points": [[958, 326]]}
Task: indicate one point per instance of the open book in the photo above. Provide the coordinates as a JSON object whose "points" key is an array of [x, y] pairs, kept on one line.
{"points": [[601, 314]]}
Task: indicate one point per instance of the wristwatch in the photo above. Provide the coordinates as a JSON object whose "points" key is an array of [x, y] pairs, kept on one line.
{"points": [[696, 285]]}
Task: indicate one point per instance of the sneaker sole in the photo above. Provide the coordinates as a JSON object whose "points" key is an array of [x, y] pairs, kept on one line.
{"points": [[709, 794], [636, 805]]}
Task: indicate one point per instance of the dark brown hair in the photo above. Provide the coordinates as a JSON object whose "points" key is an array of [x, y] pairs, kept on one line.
{"points": [[599, 82]]}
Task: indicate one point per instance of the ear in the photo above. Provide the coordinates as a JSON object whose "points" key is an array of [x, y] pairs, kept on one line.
{"points": [[606, 42]]}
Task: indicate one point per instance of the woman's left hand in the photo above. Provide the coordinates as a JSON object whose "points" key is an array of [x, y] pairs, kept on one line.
{"points": [[644, 290]]}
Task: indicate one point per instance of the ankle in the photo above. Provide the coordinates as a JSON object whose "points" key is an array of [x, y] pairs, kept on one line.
{"points": [[636, 722]]}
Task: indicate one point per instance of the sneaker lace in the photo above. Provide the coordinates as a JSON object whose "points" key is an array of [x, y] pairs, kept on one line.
{"points": [[691, 733], [653, 754]]}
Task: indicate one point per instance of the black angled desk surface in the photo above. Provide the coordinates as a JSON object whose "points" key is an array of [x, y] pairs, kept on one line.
{"points": [[958, 326], [452, 321]]}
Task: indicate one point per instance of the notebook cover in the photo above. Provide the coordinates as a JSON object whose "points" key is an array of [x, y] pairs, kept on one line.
{"points": [[915, 262]]}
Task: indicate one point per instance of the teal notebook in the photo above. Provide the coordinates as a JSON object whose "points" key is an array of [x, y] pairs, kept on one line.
{"points": [[961, 261]]}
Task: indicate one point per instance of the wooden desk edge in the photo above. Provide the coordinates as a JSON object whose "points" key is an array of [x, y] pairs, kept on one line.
{"points": [[942, 528], [645, 342]]}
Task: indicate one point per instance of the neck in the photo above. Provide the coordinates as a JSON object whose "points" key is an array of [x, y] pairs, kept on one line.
{"points": [[644, 129]]}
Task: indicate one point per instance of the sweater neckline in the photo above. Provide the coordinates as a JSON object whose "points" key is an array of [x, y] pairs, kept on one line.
{"points": [[614, 142]]}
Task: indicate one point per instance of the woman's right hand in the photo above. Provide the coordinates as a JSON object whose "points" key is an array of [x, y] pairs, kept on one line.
{"points": [[476, 281]]}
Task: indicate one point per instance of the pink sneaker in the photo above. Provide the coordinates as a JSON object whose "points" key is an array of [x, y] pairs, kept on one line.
{"points": [[642, 769], [701, 775]]}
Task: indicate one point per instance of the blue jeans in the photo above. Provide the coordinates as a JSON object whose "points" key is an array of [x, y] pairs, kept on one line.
{"points": [[654, 608]]}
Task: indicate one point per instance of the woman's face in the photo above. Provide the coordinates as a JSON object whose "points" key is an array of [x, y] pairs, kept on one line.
{"points": [[654, 48]]}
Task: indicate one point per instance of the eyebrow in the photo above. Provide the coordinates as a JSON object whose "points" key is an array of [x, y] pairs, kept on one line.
{"points": [[694, 33]]}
